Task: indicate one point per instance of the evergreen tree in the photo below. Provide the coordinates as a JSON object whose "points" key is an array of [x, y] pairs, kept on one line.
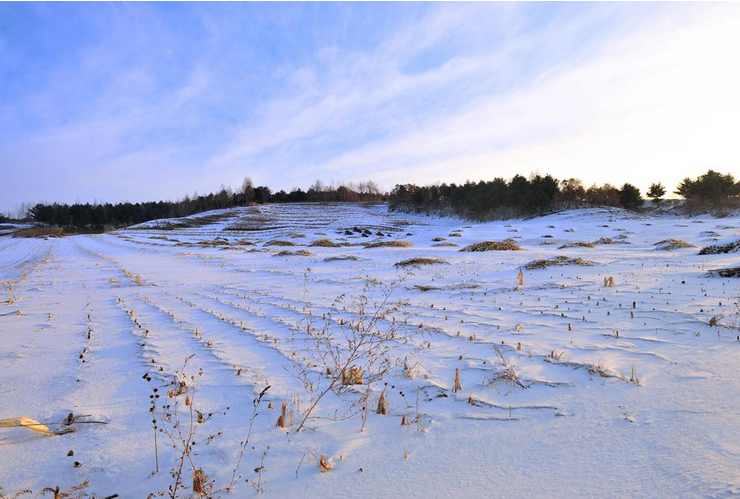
{"points": [[630, 197], [656, 192]]}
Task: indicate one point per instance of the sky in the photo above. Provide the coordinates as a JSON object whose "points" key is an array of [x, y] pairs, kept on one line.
{"points": [[112, 102]]}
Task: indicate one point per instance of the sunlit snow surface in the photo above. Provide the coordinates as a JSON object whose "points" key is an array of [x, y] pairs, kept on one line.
{"points": [[570, 433]]}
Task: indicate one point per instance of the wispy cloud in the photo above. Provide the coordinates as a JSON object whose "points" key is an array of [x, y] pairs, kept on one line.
{"points": [[152, 101]]}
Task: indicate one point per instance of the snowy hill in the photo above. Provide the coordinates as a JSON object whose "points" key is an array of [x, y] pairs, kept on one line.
{"points": [[567, 384]]}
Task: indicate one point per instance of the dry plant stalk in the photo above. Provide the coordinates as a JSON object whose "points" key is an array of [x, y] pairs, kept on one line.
{"points": [[324, 464], [633, 376], [354, 377], [457, 386], [201, 486], [243, 444], [520, 277], [28, 423], [181, 432], [285, 420], [382, 404]]}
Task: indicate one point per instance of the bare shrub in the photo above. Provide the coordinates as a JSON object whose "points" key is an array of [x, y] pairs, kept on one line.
{"points": [[179, 424], [359, 352]]}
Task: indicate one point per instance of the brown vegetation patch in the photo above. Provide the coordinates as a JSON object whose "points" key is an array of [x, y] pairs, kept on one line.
{"points": [[609, 240], [672, 244], [729, 272], [341, 258], [719, 249], [294, 253], [416, 262], [277, 242], [39, 232], [556, 262], [505, 245], [325, 243], [578, 244], [389, 244]]}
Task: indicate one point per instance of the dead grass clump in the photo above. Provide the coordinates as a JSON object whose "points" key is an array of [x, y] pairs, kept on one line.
{"points": [[213, 243], [557, 261], [672, 244], [419, 261], [294, 253], [717, 249], [353, 378], [507, 376], [578, 244], [389, 244], [451, 245], [438, 239], [505, 245], [421, 287], [341, 258], [608, 240], [594, 369], [278, 242], [201, 485], [39, 232], [729, 272], [325, 243]]}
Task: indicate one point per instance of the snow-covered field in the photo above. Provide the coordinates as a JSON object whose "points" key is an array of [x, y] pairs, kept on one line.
{"points": [[568, 388]]}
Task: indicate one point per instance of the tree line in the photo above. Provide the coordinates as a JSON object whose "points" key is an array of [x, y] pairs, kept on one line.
{"points": [[107, 215], [521, 196], [497, 198]]}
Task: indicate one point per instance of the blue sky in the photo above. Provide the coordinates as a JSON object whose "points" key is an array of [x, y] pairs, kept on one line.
{"points": [[149, 101]]}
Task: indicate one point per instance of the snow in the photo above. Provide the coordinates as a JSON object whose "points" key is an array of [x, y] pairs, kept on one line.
{"points": [[571, 432]]}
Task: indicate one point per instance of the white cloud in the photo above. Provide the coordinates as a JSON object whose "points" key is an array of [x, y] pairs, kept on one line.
{"points": [[651, 96], [657, 104]]}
